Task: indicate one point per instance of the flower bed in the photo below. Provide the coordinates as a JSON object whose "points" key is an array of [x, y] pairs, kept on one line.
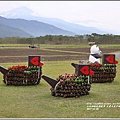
{"points": [[70, 85], [103, 73], [23, 75]]}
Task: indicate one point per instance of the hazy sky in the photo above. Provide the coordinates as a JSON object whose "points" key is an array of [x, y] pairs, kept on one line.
{"points": [[99, 14]]}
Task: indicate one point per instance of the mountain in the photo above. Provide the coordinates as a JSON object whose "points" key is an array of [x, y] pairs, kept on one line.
{"points": [[33, 27], [76, 28], [22, 12], [6, 31], [28, 14]]}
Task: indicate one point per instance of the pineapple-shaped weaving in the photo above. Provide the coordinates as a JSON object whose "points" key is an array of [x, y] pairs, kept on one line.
{"points": [[103, 73], [70, 85], [23, 75]]}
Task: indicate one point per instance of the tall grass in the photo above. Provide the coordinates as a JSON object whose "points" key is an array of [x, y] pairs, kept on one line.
{"points": [[37, 102]]}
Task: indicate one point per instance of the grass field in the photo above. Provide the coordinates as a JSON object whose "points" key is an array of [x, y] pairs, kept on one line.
{"points": [[37, 102]]}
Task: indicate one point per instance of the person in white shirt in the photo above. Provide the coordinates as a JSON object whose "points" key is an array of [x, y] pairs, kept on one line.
{"points": [[95, 53]]}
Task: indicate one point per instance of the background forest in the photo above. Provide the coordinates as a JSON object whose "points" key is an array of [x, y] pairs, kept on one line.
{"points": [[60, 39]]}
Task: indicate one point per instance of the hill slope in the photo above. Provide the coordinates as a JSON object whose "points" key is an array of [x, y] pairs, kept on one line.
{"points": [[6, 31], [34, 27], [28, 14]]}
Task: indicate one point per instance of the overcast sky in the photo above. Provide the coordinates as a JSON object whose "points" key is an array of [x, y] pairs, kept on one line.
{"points": [[99, 14]]}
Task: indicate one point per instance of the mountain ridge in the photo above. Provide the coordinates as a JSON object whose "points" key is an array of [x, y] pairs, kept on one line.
{"points": [[12, 32], [30, 22], [34, 27], [28, 14]]}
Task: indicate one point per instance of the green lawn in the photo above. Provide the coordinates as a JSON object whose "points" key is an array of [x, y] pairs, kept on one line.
{"points": [[37, 102]]}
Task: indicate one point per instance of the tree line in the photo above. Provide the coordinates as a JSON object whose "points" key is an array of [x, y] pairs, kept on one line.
{"points": [[60, 39]]}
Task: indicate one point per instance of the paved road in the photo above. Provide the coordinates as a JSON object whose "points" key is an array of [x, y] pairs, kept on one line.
{"points": [[117, 55]]}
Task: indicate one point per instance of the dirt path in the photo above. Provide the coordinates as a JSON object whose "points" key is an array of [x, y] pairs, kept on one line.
{"points": [[50, 54]]}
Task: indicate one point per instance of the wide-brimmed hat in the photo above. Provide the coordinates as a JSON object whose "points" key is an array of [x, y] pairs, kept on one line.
{"points": [[91, 43]]}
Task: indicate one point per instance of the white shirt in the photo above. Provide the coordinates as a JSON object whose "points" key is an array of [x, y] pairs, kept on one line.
{"points": [[94, 50]]}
